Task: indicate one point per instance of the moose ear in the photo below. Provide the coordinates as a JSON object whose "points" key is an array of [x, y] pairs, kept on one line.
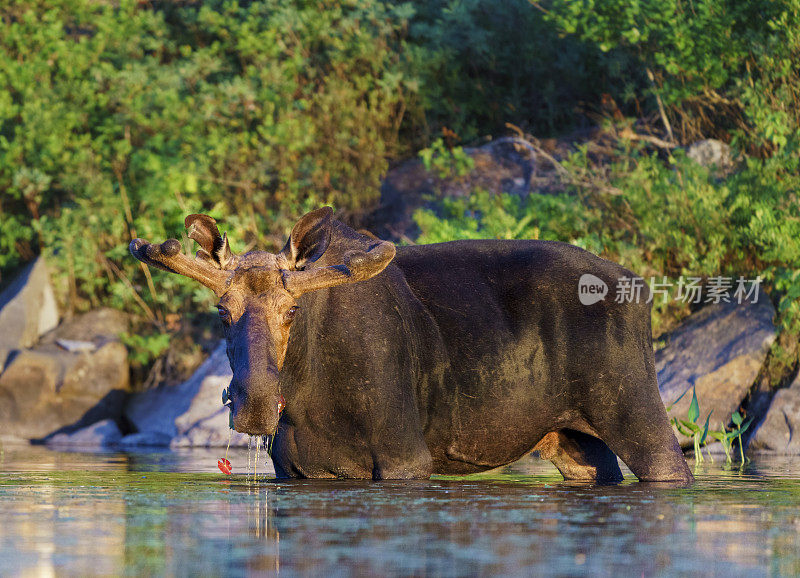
{"points": [[215, 249], [309, 239]]}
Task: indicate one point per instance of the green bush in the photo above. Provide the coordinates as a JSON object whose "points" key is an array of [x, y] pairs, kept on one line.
{"points": [[483, 63], [721, 68], [117, 119]]}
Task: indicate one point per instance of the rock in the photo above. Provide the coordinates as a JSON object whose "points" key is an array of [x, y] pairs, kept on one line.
{"points": [[47, 389], [77, 375], [189, 414], [145, 439], [711, 153], [98, 326], [76, 346], [779, 432], [506, 165], [27, 310], [719, 350], [102, 434]]}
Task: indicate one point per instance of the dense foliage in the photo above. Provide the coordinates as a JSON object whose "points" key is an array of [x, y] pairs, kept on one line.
{"points": [[729, 70], [118, 118], [719, 67]]}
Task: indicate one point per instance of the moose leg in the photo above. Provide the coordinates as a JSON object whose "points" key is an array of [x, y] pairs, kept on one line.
{"points": [[649, 448], [637, 430], [579, 456]]}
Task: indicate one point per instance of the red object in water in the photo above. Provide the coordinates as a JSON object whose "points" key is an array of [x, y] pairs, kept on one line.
{"points": [[281, 405], [224, 466]]}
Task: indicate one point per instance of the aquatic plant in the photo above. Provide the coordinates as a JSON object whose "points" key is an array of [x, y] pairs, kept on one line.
{"points": [[741, 427], [726, 437], [689, 426], [699, 435]]}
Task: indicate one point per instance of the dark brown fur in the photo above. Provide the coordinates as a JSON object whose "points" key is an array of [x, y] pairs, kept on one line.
{"points": [[456, 358]]}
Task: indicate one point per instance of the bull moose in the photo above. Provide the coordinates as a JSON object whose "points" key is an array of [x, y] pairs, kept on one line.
{"points": [[450, 358]]}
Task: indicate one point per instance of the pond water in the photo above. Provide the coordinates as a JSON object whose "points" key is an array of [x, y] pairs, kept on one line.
{"points": [[174, 513]]}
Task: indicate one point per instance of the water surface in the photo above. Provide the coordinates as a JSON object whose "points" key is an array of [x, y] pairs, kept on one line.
{"points": [[174, 513]]}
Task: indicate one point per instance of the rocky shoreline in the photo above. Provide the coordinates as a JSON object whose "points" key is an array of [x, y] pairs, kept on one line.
{"points": [[68, 384]]}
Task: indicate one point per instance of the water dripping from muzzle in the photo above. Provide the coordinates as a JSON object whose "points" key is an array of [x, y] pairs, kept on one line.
{"points": [[268, 447], [249, 450]]}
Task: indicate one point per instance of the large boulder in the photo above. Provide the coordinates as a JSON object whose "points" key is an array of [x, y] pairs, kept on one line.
{"points": [[99, 435], [189, 414], [47, 389], [507, 165], [97, 327], [719, 350], [27, 310], [713, 154], [779, 432]]}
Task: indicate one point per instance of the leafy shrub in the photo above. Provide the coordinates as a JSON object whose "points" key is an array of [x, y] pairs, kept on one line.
{"points": [[721, 68], [446, 162], [117, 119], [483, 63]]}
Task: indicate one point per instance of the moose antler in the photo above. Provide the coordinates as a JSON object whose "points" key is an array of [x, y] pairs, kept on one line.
{"points": [[169, 257], [215, 249], [357, 266]]}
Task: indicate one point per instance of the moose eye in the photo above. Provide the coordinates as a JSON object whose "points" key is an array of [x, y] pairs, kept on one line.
{"points": [[224, 314], [289, 316]]}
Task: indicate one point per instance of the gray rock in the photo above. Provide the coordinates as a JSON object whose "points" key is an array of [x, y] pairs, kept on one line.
{"points": [[711, 153], [27, 310], [779, 432], [76, 346], [719, 350], [46, 388], [189, 414], [97, 326], [145, 439], [507, 165], [102, 434]]}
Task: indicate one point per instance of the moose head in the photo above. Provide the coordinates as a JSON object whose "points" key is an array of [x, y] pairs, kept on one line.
{"points": [[258, 294]]}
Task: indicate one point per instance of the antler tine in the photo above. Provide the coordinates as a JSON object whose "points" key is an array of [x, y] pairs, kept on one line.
{"points": [[357, 266], [169, 257]]}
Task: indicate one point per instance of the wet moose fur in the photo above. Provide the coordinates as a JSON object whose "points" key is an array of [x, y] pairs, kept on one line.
{"points": [[449, 358]]}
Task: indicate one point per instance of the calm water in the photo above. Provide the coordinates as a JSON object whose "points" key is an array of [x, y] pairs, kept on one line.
{"points": [[174, 513]]}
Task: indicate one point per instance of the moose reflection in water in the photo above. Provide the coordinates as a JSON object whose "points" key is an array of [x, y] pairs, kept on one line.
{"points": [[81, 514], [449, 358]]}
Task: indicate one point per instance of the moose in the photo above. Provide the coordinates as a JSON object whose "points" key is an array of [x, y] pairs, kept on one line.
{"points": [[366, 360]]}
